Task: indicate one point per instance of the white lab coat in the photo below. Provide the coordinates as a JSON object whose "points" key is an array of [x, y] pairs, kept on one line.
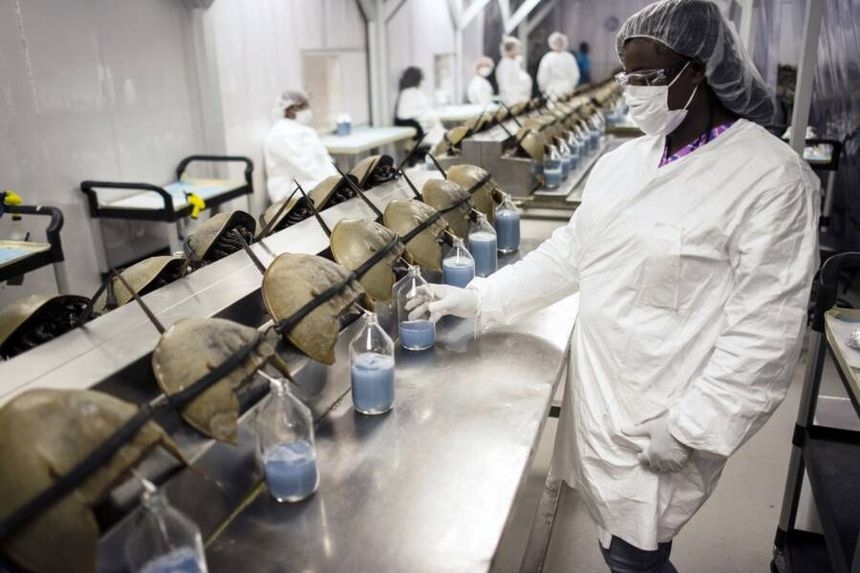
{"points": [[693, 281], [480, 91], [414, 104], [294, 150], [515, 85], [558, 73]]}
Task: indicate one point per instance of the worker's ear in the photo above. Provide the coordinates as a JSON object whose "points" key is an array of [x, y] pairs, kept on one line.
{"points": [[697, 72]]}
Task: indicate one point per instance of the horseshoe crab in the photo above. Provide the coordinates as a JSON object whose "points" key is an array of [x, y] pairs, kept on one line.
{"points": [[36, 319], [451, 140], [294, 281], [374, 170], [144, 277], [532, 142], [404, 216], [190, 349], [484, 197], [214, 239], [441, 194], [46, 434], [331, 191], [355, 241]]}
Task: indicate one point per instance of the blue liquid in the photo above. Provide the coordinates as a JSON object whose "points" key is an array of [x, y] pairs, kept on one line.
{"points": [[482, 245], [417, 334], [182, 560], [595, 138], [508, 231], [552, 173], [458, 272], [372, 383], [565, 166], [343, 128], [537, 169], [574, 160], [291, 471]]}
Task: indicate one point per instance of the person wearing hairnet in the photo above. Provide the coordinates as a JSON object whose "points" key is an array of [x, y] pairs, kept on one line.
{"points": [[558, 73], [413, 107], [480, 90], [693, 253], [515, 84], [293, 149]]}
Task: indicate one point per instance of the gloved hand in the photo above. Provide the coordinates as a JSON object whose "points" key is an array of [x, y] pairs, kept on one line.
{"points": [[440, 300], [663, 453]]}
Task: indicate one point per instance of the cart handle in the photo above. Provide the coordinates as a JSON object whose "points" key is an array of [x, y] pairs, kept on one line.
{"points": [[828, 284], [249, 165], [54, 226], [89, 189]]}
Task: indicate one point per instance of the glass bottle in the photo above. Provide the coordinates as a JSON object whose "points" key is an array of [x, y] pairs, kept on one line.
{"points": [[458, 266], [483, 245], [564, 151], [507, 226], [163, 539], [552, 168], [418, 333], [285, 444], [371, 360], [595, 124], [575, 150]]}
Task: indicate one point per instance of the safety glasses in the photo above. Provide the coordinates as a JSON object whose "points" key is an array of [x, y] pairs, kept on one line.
{"points": [[659, 77]]}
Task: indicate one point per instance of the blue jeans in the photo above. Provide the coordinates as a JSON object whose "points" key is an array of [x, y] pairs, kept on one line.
{"points": [[625, 558]]}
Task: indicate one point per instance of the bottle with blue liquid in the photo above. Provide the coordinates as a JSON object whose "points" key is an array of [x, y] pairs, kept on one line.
{"points": [[419, 333], [564, 151], [458, 266], [576, 152], [285, 444], [371, 360], [507, 226], [552, 168], [163, 539], [483, 245]]}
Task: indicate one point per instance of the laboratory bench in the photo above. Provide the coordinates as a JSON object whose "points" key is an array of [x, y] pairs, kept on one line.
{"points": [[429, 486], [348, 149]]}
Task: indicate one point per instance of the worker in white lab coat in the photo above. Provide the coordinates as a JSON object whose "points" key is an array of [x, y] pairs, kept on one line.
{"points": [[558, 73], [414, 108], [515, 84], [693, 253], [480, 89], [293, 149]]}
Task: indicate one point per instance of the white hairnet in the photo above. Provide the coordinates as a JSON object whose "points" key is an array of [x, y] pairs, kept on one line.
{"points": [[697, 29], [557, 41], [485, 61], [290, 98], [509, 45]]}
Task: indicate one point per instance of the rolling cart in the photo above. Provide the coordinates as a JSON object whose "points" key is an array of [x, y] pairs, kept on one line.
{"points": [[830, 457], [172, 203], [18, 258]]}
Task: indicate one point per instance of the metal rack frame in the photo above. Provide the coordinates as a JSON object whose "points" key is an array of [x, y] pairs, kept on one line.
{"points": [[53, 256], [830, 457]]}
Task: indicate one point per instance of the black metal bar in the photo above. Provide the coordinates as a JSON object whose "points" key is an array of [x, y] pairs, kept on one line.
{"points": [[249, 165], [314, 209], [271, 224], [358, 191], [510, 113], [247, 248], [54, 226], [439, 167], [412, 186], [89, 189], [149, 314], [411, 152]]}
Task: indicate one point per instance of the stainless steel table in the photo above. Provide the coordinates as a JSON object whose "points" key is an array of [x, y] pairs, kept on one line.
{"points": [[430, 485]]}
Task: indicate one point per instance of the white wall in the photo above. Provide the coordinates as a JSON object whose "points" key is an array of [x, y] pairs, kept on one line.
{"points": [[91, 89], [258, 49], [422, 29]]}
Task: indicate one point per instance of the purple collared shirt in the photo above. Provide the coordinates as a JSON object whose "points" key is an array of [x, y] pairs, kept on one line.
{"points": [[709, 135]]}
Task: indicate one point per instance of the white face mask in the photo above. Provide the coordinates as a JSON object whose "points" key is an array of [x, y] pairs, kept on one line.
{"points": [[649, 107], [484, 71], [304, 116]]}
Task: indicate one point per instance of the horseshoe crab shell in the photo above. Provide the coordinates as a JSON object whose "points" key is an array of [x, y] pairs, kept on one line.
{"points": [[519, 108], [289, 216], [452, 139], [294, 280], [354, 241], [144, 277], [439, 194], [373, 170], [192, 347], [46, 433], [36, 319], [532, 142], [331, 191], [214, 239], [404, 215], [483, 198]]}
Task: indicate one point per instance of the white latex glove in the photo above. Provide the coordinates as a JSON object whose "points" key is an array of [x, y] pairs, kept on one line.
{"points": [[441, 300], [663, 453]]}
